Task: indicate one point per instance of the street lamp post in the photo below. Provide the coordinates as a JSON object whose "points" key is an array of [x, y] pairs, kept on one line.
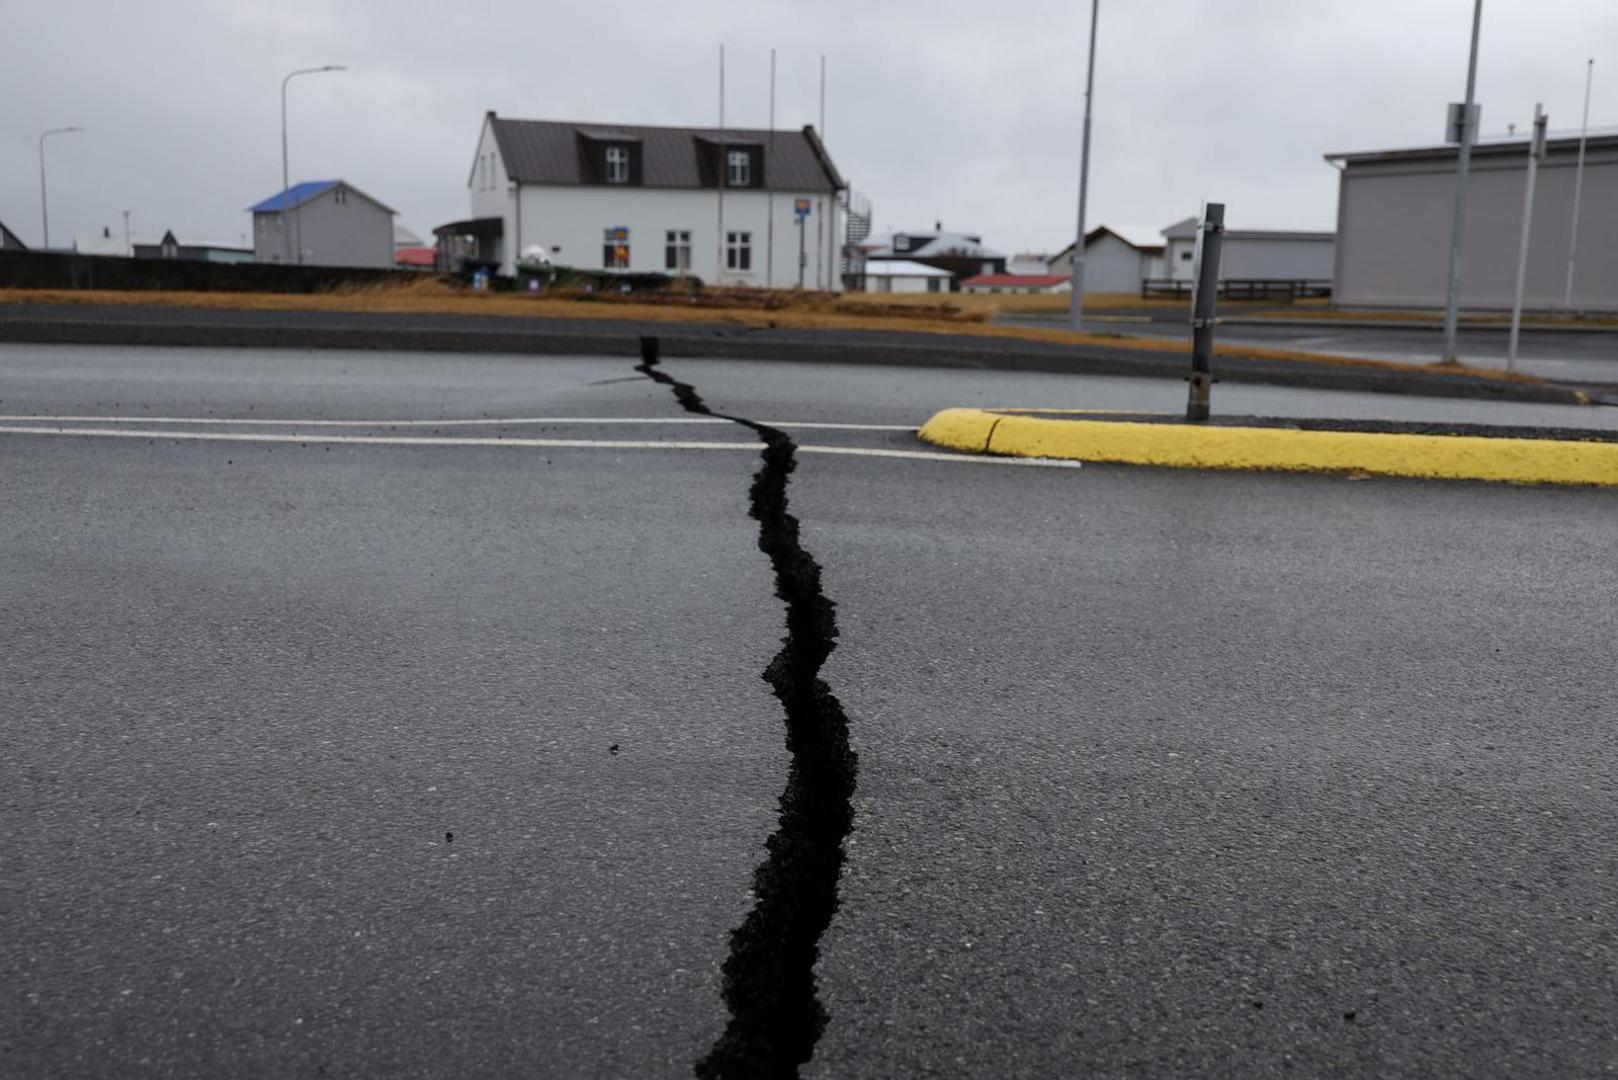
{"points": [[1075, 310], [44, 209], [1452, 302], [286, 194]]}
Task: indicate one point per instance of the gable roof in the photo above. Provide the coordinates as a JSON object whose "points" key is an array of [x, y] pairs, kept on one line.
{"points": [[941, 245], [548, 152], [300, 193], [11, 240]]}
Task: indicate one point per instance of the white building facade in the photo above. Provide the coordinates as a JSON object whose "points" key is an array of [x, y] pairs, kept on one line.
{"points": [[732, 207]]}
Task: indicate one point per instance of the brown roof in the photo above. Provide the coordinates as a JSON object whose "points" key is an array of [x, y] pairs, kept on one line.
{"points": [[547, 152]]}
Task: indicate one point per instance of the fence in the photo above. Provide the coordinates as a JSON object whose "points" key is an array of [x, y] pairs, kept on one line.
{"points": [[70, 270], [1287, 289]]}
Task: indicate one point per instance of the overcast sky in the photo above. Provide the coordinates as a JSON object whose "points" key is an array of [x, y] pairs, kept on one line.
{"points": [[938, 110]]}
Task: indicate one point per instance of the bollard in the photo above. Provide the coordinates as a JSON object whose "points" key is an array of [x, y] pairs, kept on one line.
{"points": [[1202, 311], [648, 349]]}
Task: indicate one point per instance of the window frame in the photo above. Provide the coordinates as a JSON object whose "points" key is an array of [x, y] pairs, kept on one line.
{"points": [[738, 168], [611, 245], [739, 251], [677, 250], [616, 165]]}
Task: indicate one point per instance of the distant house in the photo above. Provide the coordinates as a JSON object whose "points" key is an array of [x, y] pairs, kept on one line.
{"points": [[105, 242], [1018, 283], [323, 223], [1254, 254], [9, 240], [904, 276], [171, 248], [1029, 262], [1117, 258], [721, 205], [962, 254]]}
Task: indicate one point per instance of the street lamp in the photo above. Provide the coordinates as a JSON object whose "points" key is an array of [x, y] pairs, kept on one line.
{"points": [[285, 182], [1452, 299], [1075, 309], [44, 210]]}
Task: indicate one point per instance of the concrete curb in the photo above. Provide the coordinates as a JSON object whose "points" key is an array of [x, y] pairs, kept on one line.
{"points": [[1185, 446]]}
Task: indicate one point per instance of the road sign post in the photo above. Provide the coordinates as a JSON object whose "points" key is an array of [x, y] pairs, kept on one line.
{"points": [[1203, 308]]}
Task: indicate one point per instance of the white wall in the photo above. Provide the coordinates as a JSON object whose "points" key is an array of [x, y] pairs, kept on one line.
{"points": [[1258, 258], [575, 217], [906, 283], [492, 195]]}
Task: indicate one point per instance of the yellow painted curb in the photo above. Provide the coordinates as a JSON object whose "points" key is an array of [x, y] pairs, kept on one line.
{"points": [[1186, 446]]}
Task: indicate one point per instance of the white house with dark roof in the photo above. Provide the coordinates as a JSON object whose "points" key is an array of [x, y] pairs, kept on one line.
{"points": [[323, 223], [1117, 258], [723, 206]]}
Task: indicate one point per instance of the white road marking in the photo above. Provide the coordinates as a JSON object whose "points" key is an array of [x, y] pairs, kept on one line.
{"points": [[482, 421], [751, 446]]}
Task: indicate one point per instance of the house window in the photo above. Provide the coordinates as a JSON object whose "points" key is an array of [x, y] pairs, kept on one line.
{"points": [[677, 250], [340, 197], [932, 285], [615, 249], [1185, 256], [739, 170], [738, 251], [617, 165]]}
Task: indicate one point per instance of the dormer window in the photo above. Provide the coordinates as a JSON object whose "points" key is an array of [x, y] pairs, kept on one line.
{"points": [[738, 169], [617, 165]]}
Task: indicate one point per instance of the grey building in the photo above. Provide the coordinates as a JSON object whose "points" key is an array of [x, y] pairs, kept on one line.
{"points": [[170, 247], [1117, 258], [1253, 254], [1395, 211], [330, 222]]}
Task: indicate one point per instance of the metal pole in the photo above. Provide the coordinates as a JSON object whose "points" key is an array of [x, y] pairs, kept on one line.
{"points": [[1536, 147], [822, 221], [129, 249], [1452, 302], [1578, 187], [44, 209], [1203, 312], [769, 196], [724, 167], [285, 182], [1075, 308], [802, 257]]}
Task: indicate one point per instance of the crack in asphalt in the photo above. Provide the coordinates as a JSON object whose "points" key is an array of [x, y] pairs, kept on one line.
{"points": [[775, 1016]]}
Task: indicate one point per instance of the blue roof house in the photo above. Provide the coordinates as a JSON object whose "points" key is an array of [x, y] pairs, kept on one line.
{"points": [[323, 223]]}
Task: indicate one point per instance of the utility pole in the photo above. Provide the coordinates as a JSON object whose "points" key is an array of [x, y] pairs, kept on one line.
{"points": [[769, 189], [129, 249], [1452, 303], [1075, 308], [1536, 151], [44, 209], [724, 169], [1578, 186], [286, 195]]}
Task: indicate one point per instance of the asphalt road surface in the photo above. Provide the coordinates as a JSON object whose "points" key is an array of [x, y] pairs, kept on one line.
{"points": [[406, 715], [1577, 356]]}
